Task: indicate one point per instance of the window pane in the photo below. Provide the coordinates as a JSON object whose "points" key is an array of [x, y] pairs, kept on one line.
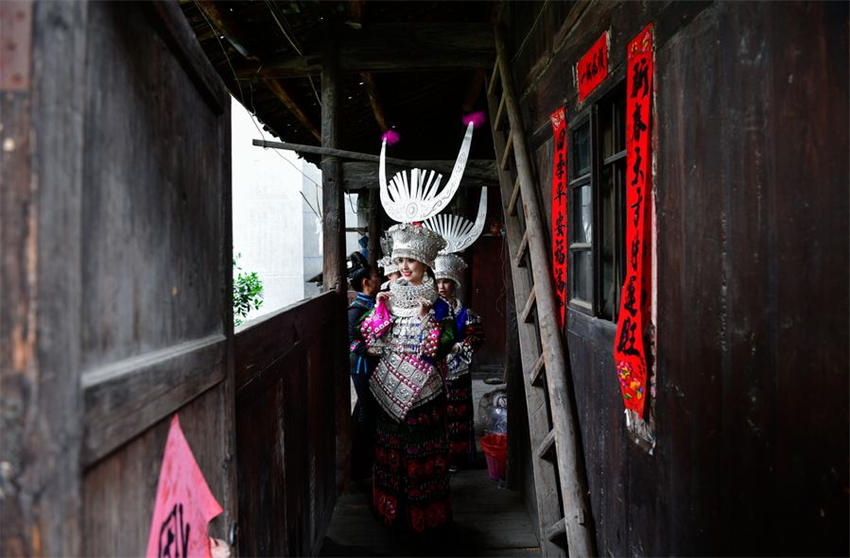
{"points": [[581, 151], [582, 275], [606, 127], [620, 123], [582, 214], [608, 243]]}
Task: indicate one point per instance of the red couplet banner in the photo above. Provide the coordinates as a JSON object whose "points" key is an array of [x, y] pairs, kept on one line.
{"points": [[592, 68], [184, 503], [559, 213], [629, 352]]}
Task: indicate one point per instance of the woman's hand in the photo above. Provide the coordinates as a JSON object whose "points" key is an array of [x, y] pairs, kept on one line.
{"points": [[424, 307], [382, 296]]}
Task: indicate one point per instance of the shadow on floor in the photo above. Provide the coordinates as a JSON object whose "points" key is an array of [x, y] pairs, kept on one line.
{"points": [[488, 520]]}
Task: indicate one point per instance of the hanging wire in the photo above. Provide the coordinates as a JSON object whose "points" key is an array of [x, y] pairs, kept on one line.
{"points": [[217, 36], [294, 46]]}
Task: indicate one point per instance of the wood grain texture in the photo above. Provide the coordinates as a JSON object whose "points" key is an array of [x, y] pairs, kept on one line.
{"points": [[751, 199], [39, 333], [285, 434]]}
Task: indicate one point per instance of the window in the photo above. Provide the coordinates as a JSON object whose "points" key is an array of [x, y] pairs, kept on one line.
{"points": [[597, 200]]}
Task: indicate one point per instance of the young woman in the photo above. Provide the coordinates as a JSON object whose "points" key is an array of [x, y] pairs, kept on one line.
{"points": [[364, 279], [459, 409], [410, 483]]}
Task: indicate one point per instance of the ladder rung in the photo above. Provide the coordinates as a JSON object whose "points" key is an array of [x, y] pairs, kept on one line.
{"points": [[504, 163], [523, 248], [556, 530], [514, 198], [498, 121], [529, 304], [547, 444], [494, 77], [536, 372]]}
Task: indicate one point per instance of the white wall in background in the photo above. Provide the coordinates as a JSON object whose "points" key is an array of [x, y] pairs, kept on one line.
{"points": [[277, 233]]}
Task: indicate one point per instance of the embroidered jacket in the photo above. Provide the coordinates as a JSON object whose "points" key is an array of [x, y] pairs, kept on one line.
{"points": [[360, 362], [470, 335], [405, 376]]}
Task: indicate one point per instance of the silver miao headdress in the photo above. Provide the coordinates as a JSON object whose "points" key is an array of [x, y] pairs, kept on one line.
{"points": [[415, 195], [388, 265], [459, 233], [418, 243]]}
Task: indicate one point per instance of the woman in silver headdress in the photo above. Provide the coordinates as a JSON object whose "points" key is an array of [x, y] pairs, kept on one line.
{"points": [[460, 415], [410, 483]]}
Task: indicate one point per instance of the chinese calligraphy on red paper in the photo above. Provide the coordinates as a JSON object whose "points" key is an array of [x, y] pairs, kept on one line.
{"points": [[592, 68], [629, 352], [559, 213], [184, 504]]}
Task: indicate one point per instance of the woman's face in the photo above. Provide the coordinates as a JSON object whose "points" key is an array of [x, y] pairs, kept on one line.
{"points": [[446, 288], [413, 271]]}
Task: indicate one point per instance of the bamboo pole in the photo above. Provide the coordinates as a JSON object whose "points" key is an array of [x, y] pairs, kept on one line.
{"points": [[573, 484]]}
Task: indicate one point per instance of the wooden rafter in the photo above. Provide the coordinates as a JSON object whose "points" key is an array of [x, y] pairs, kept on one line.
{"points": [[415, 47], [281, 93]]}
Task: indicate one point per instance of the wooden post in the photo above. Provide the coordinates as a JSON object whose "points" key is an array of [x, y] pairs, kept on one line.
{"points": [[41, 169], [374, 227], [573, 485], [333, 250]]}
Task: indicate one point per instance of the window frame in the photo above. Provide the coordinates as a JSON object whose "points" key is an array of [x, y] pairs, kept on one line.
{"points": [[590, 115]]}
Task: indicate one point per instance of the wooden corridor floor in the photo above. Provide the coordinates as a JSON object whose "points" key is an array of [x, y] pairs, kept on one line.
{"points": [[488, 520]]}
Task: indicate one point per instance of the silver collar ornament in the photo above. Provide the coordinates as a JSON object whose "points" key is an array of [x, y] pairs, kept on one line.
{"points": [[404, 299]]}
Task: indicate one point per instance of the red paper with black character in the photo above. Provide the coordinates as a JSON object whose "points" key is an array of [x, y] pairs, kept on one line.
{"points": [[559, 213], [629, 352], [184, 503], [592, 68]]}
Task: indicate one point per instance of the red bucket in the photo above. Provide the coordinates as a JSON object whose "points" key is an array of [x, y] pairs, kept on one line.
{"points": [[495, 448]]}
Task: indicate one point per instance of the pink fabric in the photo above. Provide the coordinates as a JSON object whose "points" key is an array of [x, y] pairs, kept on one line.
{"points": [[184, 504]]}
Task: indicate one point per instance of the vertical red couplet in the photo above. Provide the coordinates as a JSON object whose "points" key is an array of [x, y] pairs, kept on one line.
{"points": [[629, 351], [559, 213]]}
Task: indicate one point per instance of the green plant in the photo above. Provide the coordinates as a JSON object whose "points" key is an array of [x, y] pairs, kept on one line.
{"points": [[247, 292]]}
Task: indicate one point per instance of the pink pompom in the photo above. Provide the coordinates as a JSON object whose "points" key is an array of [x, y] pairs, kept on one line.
{"points": [[477, 119], [391, 137]]}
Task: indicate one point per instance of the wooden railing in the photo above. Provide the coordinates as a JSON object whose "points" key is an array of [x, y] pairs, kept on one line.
{"points": [[286, 428]]}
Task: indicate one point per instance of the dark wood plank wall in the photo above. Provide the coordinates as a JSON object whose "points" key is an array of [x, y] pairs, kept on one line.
{"points": [[286, 432], [485, 284], [155, 322], [123, 272], [40, 197], [751, 135]]}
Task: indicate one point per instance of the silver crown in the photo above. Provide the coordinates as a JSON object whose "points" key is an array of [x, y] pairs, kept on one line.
{"points": [[450, 266], [418, 243], [458, 231], [388, 265], [415, 195]]}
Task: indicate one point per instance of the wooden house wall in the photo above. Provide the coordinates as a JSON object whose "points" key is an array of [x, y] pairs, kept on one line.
{"points": [[118, 213], [751, 141]]}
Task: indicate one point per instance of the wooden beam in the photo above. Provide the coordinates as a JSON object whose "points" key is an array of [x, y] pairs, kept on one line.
{"points": [[415, 47], [477, 169], [281, 93], [364, 176]]}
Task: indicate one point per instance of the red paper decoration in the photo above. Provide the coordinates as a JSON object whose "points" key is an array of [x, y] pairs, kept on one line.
{"points": [[629, 353], [592, 68], [559, 213], [184, 503]]}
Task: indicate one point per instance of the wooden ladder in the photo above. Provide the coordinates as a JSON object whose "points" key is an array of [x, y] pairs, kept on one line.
{"points": [[564, 518]]}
